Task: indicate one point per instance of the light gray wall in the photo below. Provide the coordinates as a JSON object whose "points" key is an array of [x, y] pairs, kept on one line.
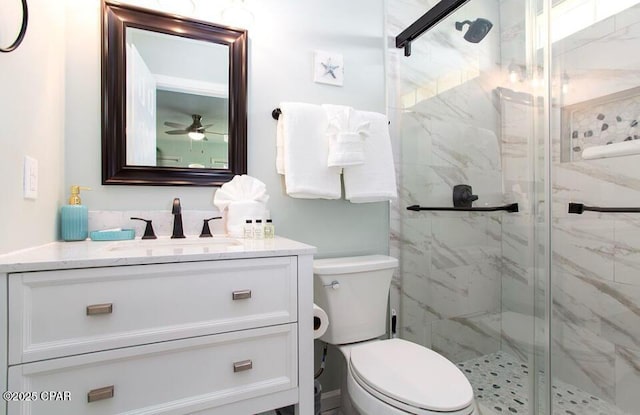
{"points": [[32, 123], [281, 45]]}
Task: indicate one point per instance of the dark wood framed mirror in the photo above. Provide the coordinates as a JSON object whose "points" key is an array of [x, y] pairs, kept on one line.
{"points": [[174, 99]]}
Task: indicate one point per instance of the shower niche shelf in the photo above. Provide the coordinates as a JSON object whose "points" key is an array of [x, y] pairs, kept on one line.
{"points": [[601, 127]]}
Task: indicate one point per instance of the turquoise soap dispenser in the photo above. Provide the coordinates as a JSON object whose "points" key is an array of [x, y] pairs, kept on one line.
{"points": [[74, 217]]}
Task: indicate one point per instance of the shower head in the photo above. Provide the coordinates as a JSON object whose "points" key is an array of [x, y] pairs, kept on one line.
{"points": [[478, 29]]}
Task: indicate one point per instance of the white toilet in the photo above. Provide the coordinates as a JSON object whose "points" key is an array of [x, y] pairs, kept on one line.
{"points": [[383, 376]]}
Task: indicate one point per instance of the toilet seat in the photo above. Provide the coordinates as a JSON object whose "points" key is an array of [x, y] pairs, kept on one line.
{"points": [[408, 377]]}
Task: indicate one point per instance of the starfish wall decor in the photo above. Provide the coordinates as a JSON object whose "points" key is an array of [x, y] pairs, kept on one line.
{"points": [[328, 68]]}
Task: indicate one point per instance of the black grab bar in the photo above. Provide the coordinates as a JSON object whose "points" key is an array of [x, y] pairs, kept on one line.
{"points": [[579, 208], [512, 207]]}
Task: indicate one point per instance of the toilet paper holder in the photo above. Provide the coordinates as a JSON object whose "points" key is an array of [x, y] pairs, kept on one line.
{"points": [[320, 322]]}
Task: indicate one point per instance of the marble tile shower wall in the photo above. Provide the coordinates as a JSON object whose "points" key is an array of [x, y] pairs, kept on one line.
{"points": [[446, 128], [596, 257]]}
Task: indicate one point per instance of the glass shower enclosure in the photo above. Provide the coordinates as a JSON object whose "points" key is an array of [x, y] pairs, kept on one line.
{"points": [[534, 102]]}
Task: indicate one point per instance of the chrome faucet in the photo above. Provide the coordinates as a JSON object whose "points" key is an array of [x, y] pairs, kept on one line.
{"points": [[177, 220]]}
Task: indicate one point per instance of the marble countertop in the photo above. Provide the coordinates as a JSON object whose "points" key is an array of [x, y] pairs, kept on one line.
{"points": [[89, 254]]}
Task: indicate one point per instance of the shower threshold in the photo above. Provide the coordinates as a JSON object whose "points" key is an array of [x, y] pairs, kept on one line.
{"points": [[501, 384]]}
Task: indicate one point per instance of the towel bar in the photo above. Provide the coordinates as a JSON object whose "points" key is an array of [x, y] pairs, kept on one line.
{"points": [[513, 207], [579, 208], [275, 114]]}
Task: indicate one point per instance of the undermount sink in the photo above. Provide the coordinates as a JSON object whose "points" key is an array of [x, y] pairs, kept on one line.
{"points": [[189, 245]]}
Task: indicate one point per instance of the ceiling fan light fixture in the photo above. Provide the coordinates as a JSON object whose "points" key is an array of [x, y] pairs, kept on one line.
{"points": [[196, 136], [196, 131]]}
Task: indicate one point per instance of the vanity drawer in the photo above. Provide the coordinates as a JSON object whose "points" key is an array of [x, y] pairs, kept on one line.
{"points": [[176, 377], [62, 313]]}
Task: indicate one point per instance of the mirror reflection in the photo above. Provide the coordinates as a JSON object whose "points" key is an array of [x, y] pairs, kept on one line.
{"points": [[177, 101]]}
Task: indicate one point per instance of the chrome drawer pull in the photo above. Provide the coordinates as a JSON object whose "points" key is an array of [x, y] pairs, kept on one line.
{"points": [[96, 309], [100, 394], [241, 295], [242, 366]]}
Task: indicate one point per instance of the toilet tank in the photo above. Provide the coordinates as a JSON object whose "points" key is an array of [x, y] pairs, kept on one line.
{"points": [[353, 291]]}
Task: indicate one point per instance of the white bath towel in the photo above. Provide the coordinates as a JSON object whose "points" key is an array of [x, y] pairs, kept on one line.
{"points": [[375, 180], [345, 136], [304, 151]]}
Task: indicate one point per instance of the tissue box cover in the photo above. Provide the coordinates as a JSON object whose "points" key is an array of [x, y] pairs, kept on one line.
{"points": [[238, 212]]}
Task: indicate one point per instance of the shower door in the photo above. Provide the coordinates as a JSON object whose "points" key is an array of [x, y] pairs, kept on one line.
{"points": [[595, 256], [468, 107]]}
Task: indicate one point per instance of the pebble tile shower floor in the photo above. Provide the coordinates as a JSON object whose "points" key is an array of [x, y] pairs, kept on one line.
{"points": [[501, 383]]}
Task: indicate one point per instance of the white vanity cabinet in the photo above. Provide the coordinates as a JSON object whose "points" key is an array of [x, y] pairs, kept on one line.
{"points": [[210, 333]]}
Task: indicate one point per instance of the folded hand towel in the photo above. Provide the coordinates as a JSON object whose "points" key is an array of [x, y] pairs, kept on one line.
{"points": [[241, 187], [305, 152], [244, 197], [375, 180], [346, 138]]}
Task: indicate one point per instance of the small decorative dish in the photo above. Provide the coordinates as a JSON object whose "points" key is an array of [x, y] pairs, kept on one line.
{"points": [[113, 235]]}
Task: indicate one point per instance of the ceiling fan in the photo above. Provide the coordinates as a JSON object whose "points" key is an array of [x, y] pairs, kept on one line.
{"points": [[196, 131]]}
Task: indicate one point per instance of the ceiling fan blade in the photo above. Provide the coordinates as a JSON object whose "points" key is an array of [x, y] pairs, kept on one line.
{"points": [[175, 125], [207, 126], [214, 133], [175, 132]]}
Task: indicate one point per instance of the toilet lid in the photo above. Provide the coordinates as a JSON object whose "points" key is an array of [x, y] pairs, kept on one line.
{"points": [[412, 374]]}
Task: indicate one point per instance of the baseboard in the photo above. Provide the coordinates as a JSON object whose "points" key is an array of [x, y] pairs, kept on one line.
{"points": [[330, 400]]}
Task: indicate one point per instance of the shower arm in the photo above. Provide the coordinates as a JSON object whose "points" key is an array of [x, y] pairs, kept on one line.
{"points": [[431, 18]]}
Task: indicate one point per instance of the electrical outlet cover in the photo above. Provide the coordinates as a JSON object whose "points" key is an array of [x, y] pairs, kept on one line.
{"points": [[30, 178]]}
